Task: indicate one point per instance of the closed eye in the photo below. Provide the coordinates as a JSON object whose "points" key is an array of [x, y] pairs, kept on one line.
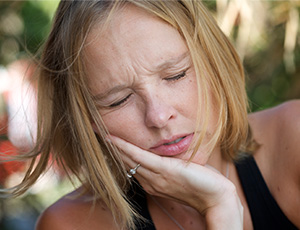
{"points": [[176, 77], [122, 101]]}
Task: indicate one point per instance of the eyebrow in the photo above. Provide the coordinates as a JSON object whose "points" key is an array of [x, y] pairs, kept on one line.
{"points": [[114, 89], [167, 64], [163, 66]]}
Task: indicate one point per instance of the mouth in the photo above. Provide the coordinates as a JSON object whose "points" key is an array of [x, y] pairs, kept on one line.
{"points": [[175, 141], [173, 146]]}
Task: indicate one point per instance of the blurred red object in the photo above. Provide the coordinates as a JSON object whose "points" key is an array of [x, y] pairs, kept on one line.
{"points": [[8, 168], [3, 124]]}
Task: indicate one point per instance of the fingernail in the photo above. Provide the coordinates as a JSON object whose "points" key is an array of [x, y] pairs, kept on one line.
{"points": [[108, 139]]}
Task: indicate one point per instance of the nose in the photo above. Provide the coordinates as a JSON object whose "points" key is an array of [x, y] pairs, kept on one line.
{"points": [[159, 113]]}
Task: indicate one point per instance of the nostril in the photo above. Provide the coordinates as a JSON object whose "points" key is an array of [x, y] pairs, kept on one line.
{"points": [[158, 116]]}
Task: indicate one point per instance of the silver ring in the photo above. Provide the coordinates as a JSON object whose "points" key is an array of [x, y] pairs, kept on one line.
{"points": [[132, 171]]}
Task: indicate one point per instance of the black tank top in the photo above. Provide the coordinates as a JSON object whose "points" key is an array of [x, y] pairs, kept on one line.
{"points": [[137, 196], [265, 212]]}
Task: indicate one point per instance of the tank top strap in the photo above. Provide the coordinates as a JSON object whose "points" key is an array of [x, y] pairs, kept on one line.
{"points": [[265, 212], [137, 196]]}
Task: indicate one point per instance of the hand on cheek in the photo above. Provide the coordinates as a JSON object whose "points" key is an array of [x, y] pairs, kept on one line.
{"points": [[189, 183], [154, 172], [134, 155]]}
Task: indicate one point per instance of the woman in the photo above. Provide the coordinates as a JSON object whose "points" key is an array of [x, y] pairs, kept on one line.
{"points": [[144, 102]]}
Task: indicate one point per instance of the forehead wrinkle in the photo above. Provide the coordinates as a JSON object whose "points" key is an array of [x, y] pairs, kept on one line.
{"points": [[169, 64], [114, 89], [132, 73], [173, 62], [140, 66], [119, 86]]}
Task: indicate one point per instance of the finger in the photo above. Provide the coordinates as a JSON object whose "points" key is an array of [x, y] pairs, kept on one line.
{"points": [[141, 173], [136, 154], [155, 172], [129, 163]]}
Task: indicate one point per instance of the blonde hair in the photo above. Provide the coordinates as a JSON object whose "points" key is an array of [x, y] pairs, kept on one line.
{"points": [[66, 108], [217, 66]]}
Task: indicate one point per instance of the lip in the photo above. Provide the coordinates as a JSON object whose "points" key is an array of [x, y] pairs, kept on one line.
{"points": [[173, 149]]}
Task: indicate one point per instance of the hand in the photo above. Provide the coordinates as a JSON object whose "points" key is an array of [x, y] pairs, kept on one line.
{"points": [[200, 187]]}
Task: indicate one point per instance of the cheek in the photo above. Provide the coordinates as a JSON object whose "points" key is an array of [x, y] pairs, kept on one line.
{"points": [[127, 125], [188, 97], [117, 123]]}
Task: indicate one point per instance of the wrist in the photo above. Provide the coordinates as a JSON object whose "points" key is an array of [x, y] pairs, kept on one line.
{"points": [[227, 214]]}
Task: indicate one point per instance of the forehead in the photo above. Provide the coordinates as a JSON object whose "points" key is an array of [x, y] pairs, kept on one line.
{"points": [[133, 43]]}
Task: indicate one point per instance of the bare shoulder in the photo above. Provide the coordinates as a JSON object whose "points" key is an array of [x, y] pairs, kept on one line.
{"points": [[73, 212], [286, 110], [288, 114], [277, 130], [278, 126], [287, 125], [288, 133]]}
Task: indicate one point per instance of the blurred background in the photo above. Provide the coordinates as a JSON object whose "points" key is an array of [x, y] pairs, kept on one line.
{"points": [[265, 33]]}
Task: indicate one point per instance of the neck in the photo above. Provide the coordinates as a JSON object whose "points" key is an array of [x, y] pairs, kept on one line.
{"points": [[215, 160], [183, 214]]}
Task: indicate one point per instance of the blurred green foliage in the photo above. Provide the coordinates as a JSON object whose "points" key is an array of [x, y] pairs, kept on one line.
{"points": [[266, 33], [25, 24], [271, 63]]}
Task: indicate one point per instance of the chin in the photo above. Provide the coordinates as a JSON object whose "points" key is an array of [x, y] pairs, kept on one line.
{"points": [[198, 158]]}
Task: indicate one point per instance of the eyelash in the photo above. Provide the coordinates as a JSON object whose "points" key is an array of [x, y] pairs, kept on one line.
{"points": [[120, 102], [175, 78]]}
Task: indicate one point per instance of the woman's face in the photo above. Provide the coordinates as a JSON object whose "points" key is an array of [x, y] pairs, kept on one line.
{"points": [[143, 82]]}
